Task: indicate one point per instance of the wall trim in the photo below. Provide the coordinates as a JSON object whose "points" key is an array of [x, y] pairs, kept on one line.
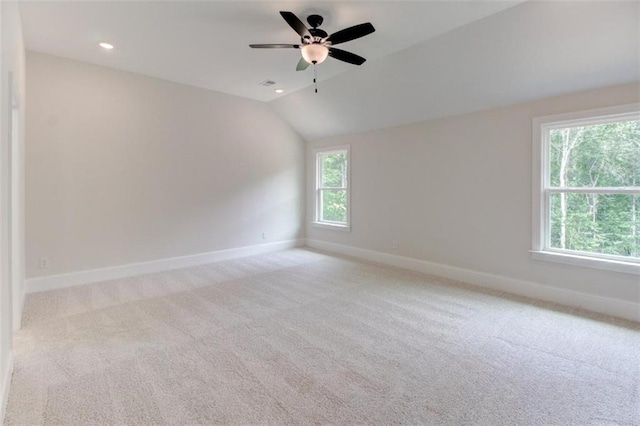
{"points": [[52, 282], [4, 388], [615, 307], [17, 320], [609, 306]]}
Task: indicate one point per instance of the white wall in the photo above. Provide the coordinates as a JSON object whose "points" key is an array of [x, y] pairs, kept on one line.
{"points": [[123, 168], [457, 191], [11, 276]]}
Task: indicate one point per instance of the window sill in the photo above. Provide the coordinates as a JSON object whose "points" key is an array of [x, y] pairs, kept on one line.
{"points": [[588, 261], [324, 225]]}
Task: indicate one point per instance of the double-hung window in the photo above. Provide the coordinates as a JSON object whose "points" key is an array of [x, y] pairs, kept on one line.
{"points": [[587, 188], [332, 188]]}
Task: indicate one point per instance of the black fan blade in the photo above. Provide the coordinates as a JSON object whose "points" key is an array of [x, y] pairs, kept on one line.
{"points": [[343, 55], [296, 24], [302, 65], [351, 33], [275, 46]]}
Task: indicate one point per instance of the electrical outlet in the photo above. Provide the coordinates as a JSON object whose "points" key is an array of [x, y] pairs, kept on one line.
{"points": [[264, 235], [395, 244], [44, 262]]}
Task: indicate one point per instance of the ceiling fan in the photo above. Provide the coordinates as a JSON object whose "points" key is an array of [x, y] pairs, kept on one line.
{"points": [[316, 44]]}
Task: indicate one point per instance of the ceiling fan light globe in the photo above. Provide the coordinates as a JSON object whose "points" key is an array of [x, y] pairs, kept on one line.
{"points": [[315, 53]]}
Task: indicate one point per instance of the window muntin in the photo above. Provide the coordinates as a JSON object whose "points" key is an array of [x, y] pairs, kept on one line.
{"points": [[332, 187], [590, 186]]}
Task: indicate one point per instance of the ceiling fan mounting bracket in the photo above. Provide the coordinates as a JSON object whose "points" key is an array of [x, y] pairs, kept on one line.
{"points": [[315, 20]]}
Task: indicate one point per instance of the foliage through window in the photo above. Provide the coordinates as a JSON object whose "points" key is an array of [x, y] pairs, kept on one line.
{"points": [[591, 186], [332, 187]]}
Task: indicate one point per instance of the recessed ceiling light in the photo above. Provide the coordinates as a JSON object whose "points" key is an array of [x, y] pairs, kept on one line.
{"points": [[107, 46], [279, 90]]}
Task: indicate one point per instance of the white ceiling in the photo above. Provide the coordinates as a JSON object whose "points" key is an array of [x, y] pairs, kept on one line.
{"points": [[531, 51], [205, 44], [426, 59]]}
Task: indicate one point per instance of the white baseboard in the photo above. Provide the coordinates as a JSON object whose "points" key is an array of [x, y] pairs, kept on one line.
{"points": [[4, 388], [615, 307], [53, 282]]}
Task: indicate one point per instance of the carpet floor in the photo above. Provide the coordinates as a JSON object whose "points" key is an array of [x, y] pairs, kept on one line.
{"points": [[300, 337]]}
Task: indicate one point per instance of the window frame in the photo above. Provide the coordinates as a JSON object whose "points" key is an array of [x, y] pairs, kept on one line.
{"points": [[317, 222], [542, 190]]}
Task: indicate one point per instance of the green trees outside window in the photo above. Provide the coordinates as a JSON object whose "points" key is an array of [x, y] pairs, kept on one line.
{"points": [[332, 197], [594, 188]]}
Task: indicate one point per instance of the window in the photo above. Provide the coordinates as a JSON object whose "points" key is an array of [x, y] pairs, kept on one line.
{"points": [[587, 195], [332, 188]]}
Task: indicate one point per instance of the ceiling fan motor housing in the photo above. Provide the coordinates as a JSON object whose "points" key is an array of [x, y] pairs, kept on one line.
{"points": [[317, 36]]}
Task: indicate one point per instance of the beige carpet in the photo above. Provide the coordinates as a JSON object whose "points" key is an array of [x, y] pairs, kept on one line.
{"points": [[300, 337]]}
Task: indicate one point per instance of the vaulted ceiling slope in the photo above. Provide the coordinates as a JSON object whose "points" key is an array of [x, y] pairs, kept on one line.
{"points": [[206, 43], [531, 51], [427, 59]]}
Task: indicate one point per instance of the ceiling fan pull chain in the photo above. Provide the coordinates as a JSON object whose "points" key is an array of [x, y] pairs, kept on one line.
{"points": [[315, 76]]}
